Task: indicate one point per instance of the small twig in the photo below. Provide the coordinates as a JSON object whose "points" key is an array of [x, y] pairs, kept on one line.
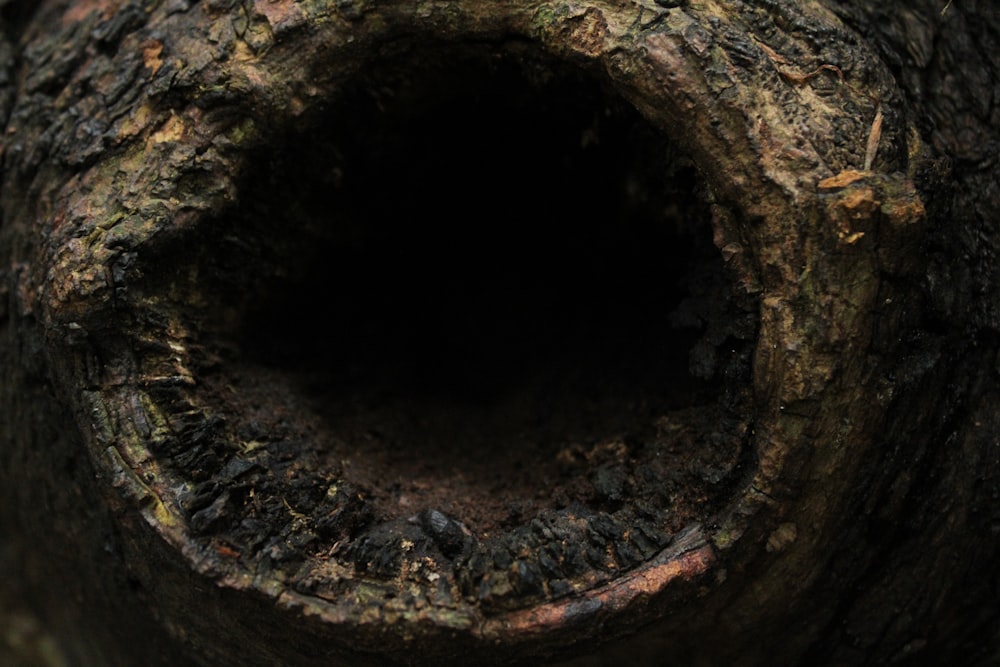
{"points": [[295, 515], [874, 135], [946, 7], [800, 79]]}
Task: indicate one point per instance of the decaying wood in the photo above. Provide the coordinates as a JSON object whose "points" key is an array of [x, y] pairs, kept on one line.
{"points": [[258, 411]]}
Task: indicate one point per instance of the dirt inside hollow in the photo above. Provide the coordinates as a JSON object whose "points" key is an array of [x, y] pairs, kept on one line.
{"points": [[493, 465]]}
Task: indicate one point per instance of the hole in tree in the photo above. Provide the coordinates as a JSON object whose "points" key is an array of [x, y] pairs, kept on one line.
{"points": [[471, 276]]}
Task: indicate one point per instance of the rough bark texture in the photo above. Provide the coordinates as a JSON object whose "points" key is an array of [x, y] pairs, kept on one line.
{"points": [[298, 370]]}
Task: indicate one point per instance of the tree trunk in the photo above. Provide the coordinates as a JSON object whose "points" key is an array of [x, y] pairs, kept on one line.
{"points": [[466, 332]]}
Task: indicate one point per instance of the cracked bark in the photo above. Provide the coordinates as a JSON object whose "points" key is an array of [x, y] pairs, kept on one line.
{"points": [[349, 333]]}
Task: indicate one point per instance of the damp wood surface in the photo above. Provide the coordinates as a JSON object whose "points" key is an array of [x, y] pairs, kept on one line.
{"points": [[270, 397]]}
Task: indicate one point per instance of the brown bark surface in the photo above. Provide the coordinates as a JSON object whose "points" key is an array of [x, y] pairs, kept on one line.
{"points": [[499, 333]]}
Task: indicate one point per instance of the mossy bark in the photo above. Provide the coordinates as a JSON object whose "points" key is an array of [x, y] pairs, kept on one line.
{"points": [[200, 198]]}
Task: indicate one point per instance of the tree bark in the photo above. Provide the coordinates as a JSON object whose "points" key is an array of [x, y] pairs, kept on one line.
{"points": [[472, 333]]}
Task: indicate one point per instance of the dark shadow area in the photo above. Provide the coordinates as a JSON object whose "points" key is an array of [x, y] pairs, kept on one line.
{"points": [[469, 231]]}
